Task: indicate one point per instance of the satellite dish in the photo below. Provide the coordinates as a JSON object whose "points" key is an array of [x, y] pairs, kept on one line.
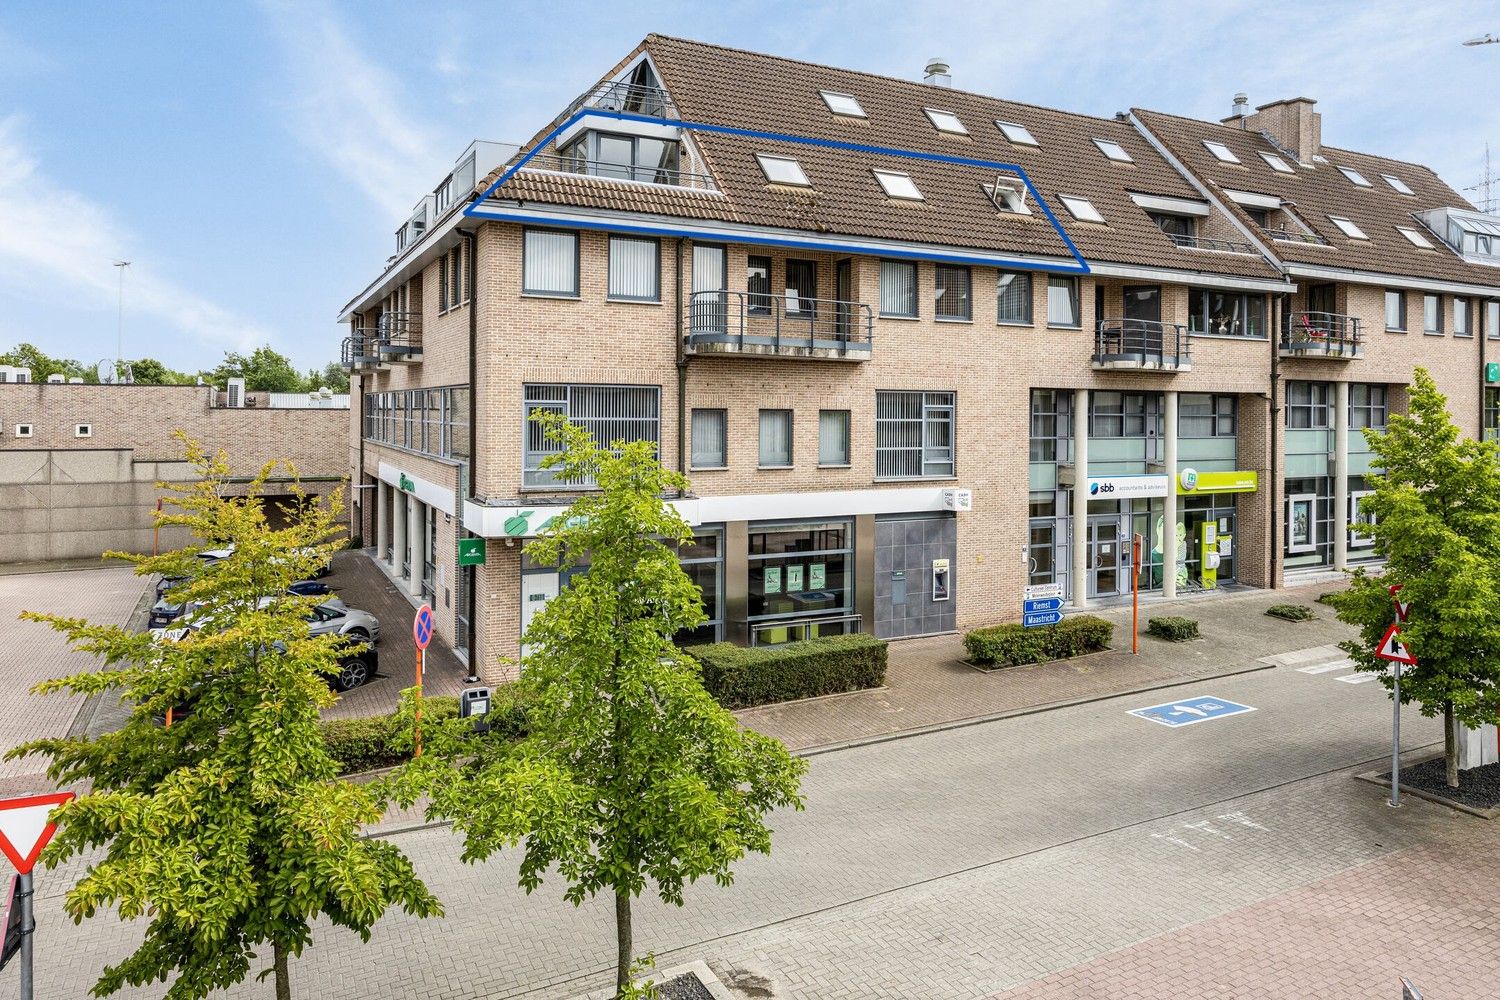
{"points": [[104, 371]]}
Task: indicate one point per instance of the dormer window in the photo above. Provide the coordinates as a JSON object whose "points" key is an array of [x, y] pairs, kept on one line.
{"points": [[1082, 209], [842, 104], [1179, 228], [945, 121], [782, 170], [1355, 177], [622, 157], [1277, 164], [898, 185], [1113, 151], [1221, 152], [1348, 228], [1018, 134], [1415, 238], [1397, 184]]}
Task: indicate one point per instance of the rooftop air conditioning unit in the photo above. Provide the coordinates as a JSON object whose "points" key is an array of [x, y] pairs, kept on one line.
{"points": [[75, 380], [20, 374], [56, 378], [234, 393]]}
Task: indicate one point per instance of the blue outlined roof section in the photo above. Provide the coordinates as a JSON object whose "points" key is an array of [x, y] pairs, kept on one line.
{"points": [[474, 209]]}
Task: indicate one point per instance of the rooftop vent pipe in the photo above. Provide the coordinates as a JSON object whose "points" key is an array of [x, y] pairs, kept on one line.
{"points": [[1241, 108], [936, 73]]}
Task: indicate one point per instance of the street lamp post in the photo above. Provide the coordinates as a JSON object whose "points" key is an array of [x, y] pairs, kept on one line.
{"points": [[120, 265]]}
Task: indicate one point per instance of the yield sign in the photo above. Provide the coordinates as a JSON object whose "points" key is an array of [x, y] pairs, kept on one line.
{"points": [[1391, 648], [1402, 607], [25, 827]]}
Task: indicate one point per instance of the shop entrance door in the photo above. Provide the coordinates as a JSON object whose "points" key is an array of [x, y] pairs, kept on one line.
{"points": [[536, 590], [1109, 556]]}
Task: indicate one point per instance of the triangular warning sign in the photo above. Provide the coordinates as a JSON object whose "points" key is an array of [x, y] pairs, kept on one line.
{"points": [[1391, 648], [25, 829]]}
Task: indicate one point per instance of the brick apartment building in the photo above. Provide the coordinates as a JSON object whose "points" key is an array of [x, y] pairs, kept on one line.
{"points": [[917, 348], [79, 463]]}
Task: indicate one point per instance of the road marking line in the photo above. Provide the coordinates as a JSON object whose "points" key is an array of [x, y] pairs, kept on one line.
{"points": [[1357, 678], [1323, 668]]}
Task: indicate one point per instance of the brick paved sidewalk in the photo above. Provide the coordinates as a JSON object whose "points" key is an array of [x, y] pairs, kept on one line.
{"points": [[928, 685]]}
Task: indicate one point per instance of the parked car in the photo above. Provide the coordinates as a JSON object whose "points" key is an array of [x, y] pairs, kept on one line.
{"points": [[207, 558], [358, 663], [165, 612], [310, 588], [335, 618]]}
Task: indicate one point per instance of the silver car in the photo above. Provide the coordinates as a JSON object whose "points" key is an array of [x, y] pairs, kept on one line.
{"points": [[335, 618]]}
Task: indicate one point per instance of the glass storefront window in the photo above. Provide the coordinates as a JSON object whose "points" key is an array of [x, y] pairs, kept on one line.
{"points": [[799, 570]]}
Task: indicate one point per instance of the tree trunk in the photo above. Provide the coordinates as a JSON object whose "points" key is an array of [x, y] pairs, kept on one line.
{"points": [[283, 974], [622, 934], [1450, 743]]}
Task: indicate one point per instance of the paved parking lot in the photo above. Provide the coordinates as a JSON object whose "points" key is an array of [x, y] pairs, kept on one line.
{"points": [[30, 653]]}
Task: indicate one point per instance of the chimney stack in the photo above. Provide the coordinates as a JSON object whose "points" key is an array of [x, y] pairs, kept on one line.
{"points": [[1293, 124], [936, 73]]}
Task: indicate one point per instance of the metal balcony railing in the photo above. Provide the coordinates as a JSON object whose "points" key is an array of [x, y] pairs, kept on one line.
{"points": [[630, 98], [400, 336], [621, 171], [1294, 236], [1321, 334], [1142, 344], [361, 349], [1210, 243], [731, 322]]}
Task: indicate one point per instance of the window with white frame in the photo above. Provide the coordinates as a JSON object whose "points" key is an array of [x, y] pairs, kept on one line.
{"points": [[1277, 164], [1017, 133], [549, 263], [83, 430], [833, 438], [1302, 522], [1397, 184], [710, 439], [634, 269], [842, 104], [913, 435], [1415, 238], [898, 288], [1013, 298], [952, 286], [610, 413], [775, 439], [1355, 177], [1081, 208], [1062, 302], [1221, 152], [23, 430], [1361, 520], [1347, 227], [898, 185], [1114, 151], [945, 121], [782, 170]]}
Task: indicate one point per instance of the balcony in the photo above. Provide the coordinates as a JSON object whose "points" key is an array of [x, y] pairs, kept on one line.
{"points": [[1186, 242], [1141, 345], [760, 324], [400, 337], [627, 98], [1294, 236], [644, 174], [1321, 335], [360, 350]]}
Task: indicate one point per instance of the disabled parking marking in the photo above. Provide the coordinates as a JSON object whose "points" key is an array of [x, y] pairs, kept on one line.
{"points": [[1190, 711]]}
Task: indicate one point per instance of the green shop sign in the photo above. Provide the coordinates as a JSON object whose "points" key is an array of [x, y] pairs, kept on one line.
{"points": [[1492, 372], [471, 551], [1191, 482]]}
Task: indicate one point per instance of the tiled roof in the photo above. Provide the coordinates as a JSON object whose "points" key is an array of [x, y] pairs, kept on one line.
{"points": [[746, 90], [1320, 191]]}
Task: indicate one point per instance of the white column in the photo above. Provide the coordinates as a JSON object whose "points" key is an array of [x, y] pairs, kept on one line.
{"points": [[398, 530], [416, 527], [382, 518], [1340, 475], [1169, 505], [1080, 573]]}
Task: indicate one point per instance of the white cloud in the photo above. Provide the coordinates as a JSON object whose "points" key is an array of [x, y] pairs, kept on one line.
{"points": [[347, 110], [52, 234]]}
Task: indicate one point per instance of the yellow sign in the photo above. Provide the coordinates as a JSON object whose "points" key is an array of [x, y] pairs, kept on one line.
{"points": [[1217, 482]]}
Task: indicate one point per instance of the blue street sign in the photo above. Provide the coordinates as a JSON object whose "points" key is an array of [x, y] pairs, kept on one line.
{"points": [[1049, 604], [1190, 711], [1041, 618]]}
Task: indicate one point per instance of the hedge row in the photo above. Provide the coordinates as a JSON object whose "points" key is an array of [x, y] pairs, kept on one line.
{"points": [[1290, 612], [739, 676], [1173, 628], [366, 744], [1014, 645]]}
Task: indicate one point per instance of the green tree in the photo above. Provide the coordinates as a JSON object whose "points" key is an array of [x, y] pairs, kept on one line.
{"points": [[228, 829], [332, 375], [264, 370], [631, 771], [149, 371], [43, 365], [1436, 511]]}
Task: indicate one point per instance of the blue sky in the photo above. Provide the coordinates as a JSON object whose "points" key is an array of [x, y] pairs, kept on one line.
{"points": [[253, 159]]}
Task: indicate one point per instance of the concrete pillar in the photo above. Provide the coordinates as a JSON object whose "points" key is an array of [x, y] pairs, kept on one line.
{"points": [[1477, 747], [1169, 505], [1080, 553], [416, 529], [398, 530], [1341, 475], [382, 518]]}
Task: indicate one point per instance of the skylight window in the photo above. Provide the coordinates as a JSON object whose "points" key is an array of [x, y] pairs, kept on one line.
{"points": [[1277, 164], [1397, 183], [1415, 238], [898, 185], [1348, 227], [945, 121], [783, 170], [842, 104], [1221, 152], [1008, 196], [1355, 177], [1017, 133], [1114, 151], [1083, 210]]}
